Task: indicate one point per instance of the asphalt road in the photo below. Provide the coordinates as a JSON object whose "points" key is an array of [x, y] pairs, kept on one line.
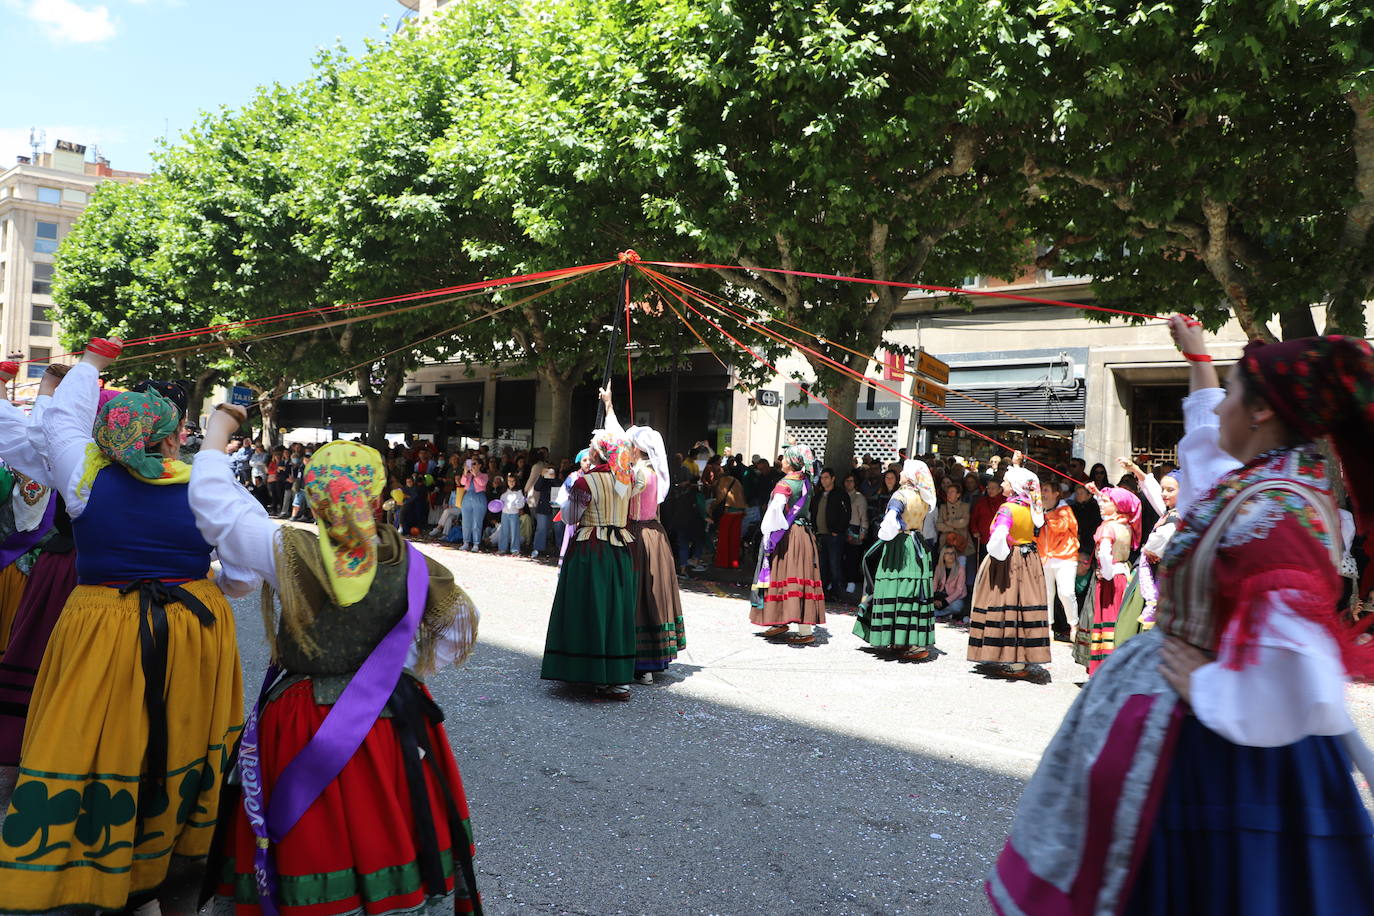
{"points": [[753, 779]]}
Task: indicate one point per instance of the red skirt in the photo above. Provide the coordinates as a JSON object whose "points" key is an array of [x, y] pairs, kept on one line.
{"points": [[357, 849], [1107, 600]]}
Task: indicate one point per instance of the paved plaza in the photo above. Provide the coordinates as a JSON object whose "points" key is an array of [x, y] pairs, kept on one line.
{"points": [[753, 779]]}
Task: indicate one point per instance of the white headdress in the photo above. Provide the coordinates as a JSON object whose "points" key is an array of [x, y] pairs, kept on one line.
{"points": [[1026, 485], [916, 473], [648, 441]]}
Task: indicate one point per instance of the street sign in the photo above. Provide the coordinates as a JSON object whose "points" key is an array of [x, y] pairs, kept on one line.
{"points": [[768, 398], [928, 391], [932, 368], [894, 366], [241, 396]]}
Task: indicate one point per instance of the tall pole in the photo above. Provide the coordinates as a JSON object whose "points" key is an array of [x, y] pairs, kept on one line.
{"points": [[622, 299]]}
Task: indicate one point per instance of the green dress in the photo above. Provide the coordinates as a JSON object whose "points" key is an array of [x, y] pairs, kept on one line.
{"points": [[591, 636], [899, 611]]}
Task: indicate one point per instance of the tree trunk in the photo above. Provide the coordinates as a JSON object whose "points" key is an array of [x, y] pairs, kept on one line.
{"points": [[560, 396], [1297, 322], [270, 430], [839, 433], [199, 391], [267, 407], [381, 400]]}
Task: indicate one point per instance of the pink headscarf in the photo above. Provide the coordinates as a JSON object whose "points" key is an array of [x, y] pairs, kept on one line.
{"points": [[1127, 507]]}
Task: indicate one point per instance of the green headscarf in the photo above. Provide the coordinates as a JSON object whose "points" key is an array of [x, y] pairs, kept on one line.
{"points": [[129, 423]]}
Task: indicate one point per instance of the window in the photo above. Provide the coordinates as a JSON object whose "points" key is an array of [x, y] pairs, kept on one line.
{"points": [[40, 357], [49, 195], [45, 238], [74, 196], [42, 279], [40, 321]]}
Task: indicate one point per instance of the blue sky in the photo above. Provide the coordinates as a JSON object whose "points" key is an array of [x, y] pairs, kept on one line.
{"points": [[118, 73]]}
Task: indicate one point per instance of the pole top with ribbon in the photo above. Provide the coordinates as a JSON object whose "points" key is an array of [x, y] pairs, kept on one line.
{"points": [[628, 256]]}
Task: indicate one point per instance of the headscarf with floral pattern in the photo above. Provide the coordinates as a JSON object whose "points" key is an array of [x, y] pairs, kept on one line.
{"points": [[1324, 386], [610, 448], [342, 481], [129, 426]]}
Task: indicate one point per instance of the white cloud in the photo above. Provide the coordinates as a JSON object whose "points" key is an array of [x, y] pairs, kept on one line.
{"points": [[66, 20]]}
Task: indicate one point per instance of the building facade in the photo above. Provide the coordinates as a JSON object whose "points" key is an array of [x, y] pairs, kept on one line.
{"points": [[39, 201]]}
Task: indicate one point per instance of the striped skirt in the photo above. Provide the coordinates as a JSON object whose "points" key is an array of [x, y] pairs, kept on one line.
{"points": [[1010, 622], [897, 610], [659, 631]]}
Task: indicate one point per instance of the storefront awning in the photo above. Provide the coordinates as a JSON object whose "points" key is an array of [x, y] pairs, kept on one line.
{"points": [[1057, 406]]}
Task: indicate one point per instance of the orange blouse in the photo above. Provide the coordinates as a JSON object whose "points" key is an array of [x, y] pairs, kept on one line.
{"points": [[1058, 539]]}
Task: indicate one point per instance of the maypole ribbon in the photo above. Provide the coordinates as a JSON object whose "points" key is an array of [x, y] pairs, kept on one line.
{"points": [[773, 319], [863, 379], [925, 286], [629, 257], [654, 276], [475, 286]]}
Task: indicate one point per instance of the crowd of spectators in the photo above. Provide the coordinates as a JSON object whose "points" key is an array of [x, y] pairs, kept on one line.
{"points": [[507, 501]]}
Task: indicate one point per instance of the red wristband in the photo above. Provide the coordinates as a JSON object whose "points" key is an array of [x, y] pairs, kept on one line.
{"points": [[1198, 357], [9, 368], [108, 348]]}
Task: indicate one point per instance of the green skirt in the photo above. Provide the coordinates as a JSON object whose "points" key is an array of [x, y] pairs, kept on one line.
{"points": [[591, 636], [898, 610]]}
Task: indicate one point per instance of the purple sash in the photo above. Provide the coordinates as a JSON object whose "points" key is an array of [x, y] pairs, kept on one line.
{"points": [[765, 575], [21, 542], [333, 745]]}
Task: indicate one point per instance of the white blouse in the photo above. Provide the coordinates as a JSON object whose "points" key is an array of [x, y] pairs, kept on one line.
{"points": [[1295, 686], [230, 518], [23, 445]]}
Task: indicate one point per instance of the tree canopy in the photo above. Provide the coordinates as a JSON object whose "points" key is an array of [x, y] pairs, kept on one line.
{"points": [[1210, 155]]}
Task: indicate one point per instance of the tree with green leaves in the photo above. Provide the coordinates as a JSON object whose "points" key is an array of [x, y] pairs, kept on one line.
{"points": [[115, 276], [856, 138], [552, 191], [1216, 157]]}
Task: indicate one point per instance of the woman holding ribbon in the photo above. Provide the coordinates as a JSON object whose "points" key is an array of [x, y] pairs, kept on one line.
{"points": [[1010, 622], [897, 612], [139, 696], [788, 589], [591, 635], [1207, 767], [342, 811], [659, 631]]}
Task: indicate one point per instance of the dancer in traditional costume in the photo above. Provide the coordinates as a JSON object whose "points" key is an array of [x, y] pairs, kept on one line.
{"points": [[659, 631], [591, 636], [342, 811], [23, 448], [1141, 604], [1010, 623], [787, 587], [897, 611], [1116, 537], [139, 696], [1206, 768]]}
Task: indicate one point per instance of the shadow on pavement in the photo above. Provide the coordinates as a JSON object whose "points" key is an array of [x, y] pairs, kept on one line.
{"points": [[670, 804]]}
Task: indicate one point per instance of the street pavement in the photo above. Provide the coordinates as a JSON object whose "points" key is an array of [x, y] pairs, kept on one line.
{"points": [[753, 778]]}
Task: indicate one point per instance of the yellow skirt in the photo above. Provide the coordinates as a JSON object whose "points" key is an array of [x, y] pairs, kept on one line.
{"points": [[73, 835], [12, 583]]}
